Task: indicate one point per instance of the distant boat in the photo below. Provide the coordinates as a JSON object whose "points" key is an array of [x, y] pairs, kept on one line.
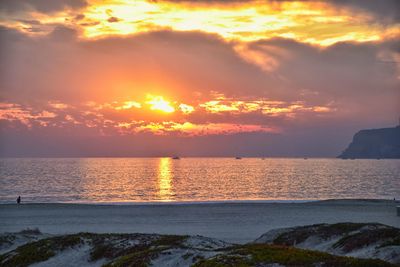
{"points": [[176, 157], [238, 158], [305, 158]]}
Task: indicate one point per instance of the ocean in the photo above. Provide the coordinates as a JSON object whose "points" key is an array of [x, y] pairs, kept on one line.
{"points": [[149, 180]]}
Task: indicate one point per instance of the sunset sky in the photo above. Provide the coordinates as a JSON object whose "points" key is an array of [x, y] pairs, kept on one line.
{"points": [[195, 78]]}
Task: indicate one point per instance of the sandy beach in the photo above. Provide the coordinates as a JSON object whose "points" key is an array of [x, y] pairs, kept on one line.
{"points": [[232, 222]]}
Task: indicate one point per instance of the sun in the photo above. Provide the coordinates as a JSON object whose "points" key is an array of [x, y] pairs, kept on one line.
{"points": [[159, 103]]}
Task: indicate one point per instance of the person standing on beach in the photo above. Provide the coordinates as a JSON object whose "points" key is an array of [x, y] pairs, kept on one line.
{"points": [[19, 200]]}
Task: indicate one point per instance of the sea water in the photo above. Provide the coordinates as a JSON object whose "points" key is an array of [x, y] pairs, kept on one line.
{"points": [[117, 180]]}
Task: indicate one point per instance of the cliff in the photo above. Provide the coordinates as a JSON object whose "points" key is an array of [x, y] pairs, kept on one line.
{"points": [[374, 143]]}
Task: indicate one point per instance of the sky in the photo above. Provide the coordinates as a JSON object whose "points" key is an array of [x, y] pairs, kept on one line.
{"points": [[117, 78]]}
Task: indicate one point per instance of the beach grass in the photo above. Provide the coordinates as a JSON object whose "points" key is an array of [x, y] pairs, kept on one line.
{"points": [[262, 254]]}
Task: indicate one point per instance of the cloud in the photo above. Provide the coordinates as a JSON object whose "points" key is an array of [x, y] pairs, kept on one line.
{"points": [[387, 11], [62, 33], [215, 116], [193, 64], [316, 22], [59, 73], [72, 68], [43, 6], [113, 19]]}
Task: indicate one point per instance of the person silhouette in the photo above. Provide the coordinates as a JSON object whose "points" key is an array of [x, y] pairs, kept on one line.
{"points": [[19, 200]]}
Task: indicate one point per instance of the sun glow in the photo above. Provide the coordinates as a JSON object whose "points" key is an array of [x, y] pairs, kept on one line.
{"points": [[165, 192], [159, 103]]}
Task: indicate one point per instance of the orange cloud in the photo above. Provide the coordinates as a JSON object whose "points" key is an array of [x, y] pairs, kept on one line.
{"points": [[319, 23], [128, 117], [316, 22], [186, 109], [129, 105], [267, 107], [15, 112]]}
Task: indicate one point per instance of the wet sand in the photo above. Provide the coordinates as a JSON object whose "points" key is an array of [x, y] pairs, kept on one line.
{"points": [[232, 222]]}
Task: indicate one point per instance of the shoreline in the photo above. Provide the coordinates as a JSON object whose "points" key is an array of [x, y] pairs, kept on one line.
{"points": [[231, 222], [211, 202]]}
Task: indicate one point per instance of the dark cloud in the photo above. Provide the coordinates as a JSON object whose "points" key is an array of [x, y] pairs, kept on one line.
{"points": [[43, 6], [178, 60], [387, 11], [113, 19], [31, 22], [79, 17], [62, 33], [24, 144], [350, 68]]}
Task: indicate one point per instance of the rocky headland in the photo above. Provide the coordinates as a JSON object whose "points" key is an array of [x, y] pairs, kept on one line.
{"points": [[374, 144]]}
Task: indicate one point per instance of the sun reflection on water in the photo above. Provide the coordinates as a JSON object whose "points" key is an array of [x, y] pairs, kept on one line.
{"points": [[165, 192]]}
